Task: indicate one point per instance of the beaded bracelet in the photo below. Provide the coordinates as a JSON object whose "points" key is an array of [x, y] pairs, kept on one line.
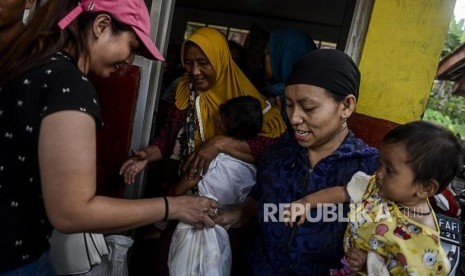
{"points": [[167, 208]]}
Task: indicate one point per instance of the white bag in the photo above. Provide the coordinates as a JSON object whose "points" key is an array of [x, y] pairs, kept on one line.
{"points": [[115, 263], [203, 252], [76, 253]]}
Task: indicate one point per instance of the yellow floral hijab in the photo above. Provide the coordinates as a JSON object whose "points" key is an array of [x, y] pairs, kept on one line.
{"points": [[230, 83]]}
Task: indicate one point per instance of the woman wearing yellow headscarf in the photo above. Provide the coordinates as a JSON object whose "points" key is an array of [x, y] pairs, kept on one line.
{"points": [[212, 78]]}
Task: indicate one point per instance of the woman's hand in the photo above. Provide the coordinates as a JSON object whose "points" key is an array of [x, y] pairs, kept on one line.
{"points": [[234, 218], [193, 210], [228, 218], [295, 213], [357, 260], [134, 165], [198, 162]]}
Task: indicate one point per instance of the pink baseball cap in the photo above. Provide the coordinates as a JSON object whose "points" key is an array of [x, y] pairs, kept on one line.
{"points": [[130, 12]]}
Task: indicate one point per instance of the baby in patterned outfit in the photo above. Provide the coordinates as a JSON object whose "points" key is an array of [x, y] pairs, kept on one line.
{"points": [[392, 228]]}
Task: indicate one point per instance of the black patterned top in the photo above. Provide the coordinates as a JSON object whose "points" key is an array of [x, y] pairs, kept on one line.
{"points": [[54, 86]]}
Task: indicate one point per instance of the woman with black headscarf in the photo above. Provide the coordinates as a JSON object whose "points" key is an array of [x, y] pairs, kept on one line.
{"points": [[321, 93]]}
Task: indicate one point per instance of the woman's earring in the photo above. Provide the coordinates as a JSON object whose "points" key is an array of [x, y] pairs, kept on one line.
{"points": [[344, 124], [26, 16]]}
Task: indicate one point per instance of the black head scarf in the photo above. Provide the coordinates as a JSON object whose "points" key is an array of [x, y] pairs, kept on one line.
{"points": [[329, 69]]}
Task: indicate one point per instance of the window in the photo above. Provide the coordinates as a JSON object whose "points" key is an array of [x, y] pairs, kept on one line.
{"points": [[237, 35], [325, 44], [191, 27]]}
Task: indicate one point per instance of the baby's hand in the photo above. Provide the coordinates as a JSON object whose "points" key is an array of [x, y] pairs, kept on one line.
{"points": [[294, 213], [188, 181], [185, 183]]}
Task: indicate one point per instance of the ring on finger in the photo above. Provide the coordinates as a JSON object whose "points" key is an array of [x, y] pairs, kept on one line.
{"points": [[214, 213]]}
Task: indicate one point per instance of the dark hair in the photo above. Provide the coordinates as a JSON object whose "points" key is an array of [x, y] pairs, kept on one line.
{"points": [[42, 38], [433, 151], [187, 45], [338, 98], [233, 45], [242, 116]]}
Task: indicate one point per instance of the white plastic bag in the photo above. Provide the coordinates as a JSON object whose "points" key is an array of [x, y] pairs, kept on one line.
{"points": [[115, 263], [76, 253], [203, 252]]}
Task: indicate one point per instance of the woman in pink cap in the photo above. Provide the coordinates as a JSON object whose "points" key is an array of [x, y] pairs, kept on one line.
{"points": [[49, 114]]}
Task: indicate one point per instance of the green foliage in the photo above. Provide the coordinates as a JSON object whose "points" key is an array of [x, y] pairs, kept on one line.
{"points": [[436, 116], [449, 112], [455, 36], [442, 107]]}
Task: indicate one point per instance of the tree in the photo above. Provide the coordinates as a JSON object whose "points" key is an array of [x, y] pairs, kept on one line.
{"points": [[455, 36], [443, 107]]}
